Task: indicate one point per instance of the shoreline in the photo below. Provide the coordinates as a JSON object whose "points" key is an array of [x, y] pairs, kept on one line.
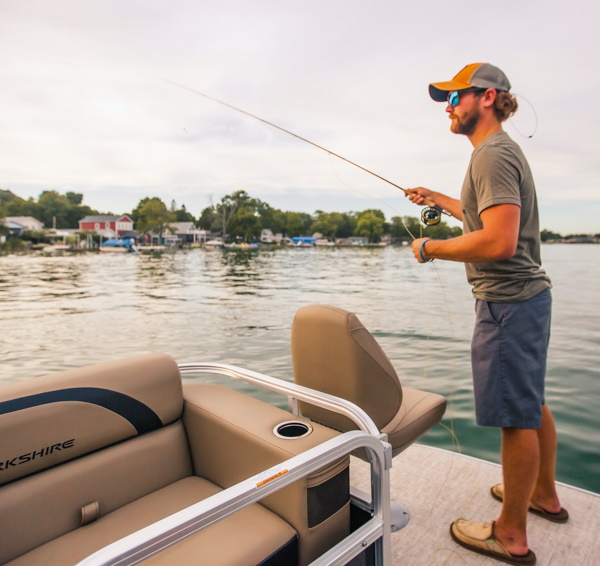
{"points": [[45, 250]]}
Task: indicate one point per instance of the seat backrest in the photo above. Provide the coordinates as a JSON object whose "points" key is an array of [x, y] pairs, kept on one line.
{"points": [[53, 419], [80, 444], [334, 353]]}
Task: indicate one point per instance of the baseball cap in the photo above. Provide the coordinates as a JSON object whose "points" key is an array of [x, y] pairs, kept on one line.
{"points": [[482, 75]]}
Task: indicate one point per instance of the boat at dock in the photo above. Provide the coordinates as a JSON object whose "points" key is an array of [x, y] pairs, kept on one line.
{"points": [[215, 244], [56, 249], [145, 459], [119, 245]]}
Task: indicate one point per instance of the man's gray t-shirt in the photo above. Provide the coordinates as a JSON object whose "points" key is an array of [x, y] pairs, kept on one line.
{"points": [[499, 174]]}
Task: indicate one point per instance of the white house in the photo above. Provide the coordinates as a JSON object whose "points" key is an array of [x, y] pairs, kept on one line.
{"points": [[185, 232], [267, 237], [27, 222]]}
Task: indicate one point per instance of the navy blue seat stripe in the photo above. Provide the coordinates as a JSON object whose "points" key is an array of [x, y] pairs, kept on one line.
{"points": [[142, 417]]}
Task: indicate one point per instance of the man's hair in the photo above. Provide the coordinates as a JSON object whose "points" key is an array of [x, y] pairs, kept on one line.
{"points": [[506, 105]]}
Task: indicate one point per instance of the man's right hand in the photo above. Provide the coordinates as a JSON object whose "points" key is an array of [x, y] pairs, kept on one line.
{"points": [[421, 196], [425, 197]]}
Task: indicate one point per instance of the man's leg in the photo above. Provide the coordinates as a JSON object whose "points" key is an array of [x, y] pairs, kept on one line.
{"points": [[544, 493], [520, 468]]}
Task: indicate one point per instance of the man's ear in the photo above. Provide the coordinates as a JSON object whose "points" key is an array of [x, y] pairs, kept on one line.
{"points": [[489, 97]]}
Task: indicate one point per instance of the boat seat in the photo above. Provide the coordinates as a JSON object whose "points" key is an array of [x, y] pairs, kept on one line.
{"points": [[334, 353], [257, 532], [90, 455]]}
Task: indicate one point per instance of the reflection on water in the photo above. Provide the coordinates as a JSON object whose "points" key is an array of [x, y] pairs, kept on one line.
{"points": [[237, 308]]}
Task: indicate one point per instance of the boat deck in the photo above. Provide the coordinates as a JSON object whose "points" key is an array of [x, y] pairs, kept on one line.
{"points": [[439, 486]]}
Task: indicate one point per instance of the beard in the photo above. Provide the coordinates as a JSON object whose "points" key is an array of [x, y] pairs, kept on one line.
{"points": [[466, 124]]}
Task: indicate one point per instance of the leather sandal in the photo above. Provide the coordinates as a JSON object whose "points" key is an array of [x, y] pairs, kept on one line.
{"points": [[479, 537], [561, 517]]}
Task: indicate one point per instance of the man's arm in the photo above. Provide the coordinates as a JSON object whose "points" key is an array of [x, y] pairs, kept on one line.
{"points": [[423, 196], [497, 240]]}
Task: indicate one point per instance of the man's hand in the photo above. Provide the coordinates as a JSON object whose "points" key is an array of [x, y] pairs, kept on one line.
{"points": [[416, 249], [421, 196], [426, 197]]}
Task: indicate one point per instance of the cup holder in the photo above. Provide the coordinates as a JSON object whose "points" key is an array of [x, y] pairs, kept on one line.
{"points": [[291, 430]]}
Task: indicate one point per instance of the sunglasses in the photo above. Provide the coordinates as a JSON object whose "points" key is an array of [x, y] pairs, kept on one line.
{"points": [[454, 96]]}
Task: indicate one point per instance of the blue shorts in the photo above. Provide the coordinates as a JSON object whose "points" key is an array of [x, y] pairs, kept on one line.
{"points": [[508, 357]]}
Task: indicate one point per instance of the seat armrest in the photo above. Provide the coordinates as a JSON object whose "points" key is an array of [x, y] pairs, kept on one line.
{"points": [[231, 438], [292, 390]]}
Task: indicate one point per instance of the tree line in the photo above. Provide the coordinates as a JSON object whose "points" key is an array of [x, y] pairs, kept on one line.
{"points": [[51, 208], [236, 217], [241, 217]]}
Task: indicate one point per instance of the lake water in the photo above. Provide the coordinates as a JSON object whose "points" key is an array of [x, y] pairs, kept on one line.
{"points": [[237, 308]]}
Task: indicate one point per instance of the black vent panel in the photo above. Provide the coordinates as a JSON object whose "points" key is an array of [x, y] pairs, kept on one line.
{"points": [[327, 498]]}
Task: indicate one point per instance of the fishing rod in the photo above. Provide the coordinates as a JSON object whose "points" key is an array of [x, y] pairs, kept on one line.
{"points": [[430, 216]]}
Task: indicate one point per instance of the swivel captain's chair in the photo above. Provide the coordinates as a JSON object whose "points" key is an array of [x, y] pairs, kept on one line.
{"points": [[334, 353]]}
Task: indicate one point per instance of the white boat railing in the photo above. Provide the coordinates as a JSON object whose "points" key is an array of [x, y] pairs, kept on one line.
{"points": [[170, 530], [293, 392]]}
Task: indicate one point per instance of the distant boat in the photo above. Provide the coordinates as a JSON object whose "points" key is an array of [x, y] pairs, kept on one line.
{"points": [[56, 249], [212, 244], [119, 245], [304, 242]]}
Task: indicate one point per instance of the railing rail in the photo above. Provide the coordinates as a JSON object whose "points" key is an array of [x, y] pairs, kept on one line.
{"points": [[159, 536], [291, 390]]}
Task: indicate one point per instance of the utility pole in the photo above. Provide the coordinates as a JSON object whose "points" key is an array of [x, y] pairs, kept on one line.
{"points": [[227, 217]]}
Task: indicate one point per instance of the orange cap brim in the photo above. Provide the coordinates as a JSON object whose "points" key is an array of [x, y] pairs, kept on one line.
{"points": [[439, 91]]}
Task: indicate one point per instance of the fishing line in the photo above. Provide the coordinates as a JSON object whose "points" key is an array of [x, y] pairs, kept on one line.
{"points": [[535, 116], [297, 136], [335, 172], [432, 220], [443, 546], [279, 128], [455, 441], [430, 216]]}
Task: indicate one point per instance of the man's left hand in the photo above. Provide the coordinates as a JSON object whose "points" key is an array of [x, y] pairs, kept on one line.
{"points": [[416, 247]]}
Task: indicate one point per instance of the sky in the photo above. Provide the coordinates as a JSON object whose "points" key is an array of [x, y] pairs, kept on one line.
{"points": [[100, 97]]}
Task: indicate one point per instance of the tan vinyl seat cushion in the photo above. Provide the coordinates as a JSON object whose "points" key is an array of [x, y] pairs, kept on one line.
{"points": [[333, 352], [243, 539], [420, 410], [50, 420], [91, 455]]}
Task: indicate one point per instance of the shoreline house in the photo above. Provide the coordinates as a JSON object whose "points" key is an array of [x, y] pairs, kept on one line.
{"points": [[19, 224], [185, 233], [106, 224], [267, 237]]}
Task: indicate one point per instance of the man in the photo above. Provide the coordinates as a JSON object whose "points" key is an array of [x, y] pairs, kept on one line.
{"points": [[500, 247]]}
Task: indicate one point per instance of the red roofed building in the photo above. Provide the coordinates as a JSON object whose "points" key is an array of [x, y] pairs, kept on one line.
{"points": [[118, 224]]}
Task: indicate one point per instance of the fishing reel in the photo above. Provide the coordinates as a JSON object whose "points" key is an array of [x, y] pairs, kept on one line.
{"points": [[431, 215]]}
